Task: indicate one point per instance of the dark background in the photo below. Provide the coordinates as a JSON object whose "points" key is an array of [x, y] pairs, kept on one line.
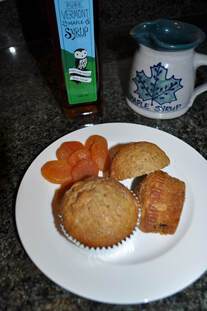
{"points": [[26, 18]]}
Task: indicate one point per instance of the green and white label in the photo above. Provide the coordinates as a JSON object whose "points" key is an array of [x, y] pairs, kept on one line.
{"points": [[76, 34]]}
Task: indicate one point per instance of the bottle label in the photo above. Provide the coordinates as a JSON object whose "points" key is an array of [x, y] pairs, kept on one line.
{"points": [[76, 34]]}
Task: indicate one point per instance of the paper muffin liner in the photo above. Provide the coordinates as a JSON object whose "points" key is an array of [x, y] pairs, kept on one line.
{"points": [[139, 214], [101, 248]]}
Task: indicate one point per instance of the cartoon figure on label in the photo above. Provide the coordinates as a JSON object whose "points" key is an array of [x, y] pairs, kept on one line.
{"points": [[80, 74], [80, 59]]}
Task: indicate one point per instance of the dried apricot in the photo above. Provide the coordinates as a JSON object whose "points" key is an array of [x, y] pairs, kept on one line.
{"points": [[95, 139], [80, 154], [83, 169], [100, 155], [57, 171], [67, 148]]}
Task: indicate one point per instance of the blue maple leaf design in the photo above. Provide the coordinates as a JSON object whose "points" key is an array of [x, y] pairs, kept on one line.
{"points": [[157, 87]]}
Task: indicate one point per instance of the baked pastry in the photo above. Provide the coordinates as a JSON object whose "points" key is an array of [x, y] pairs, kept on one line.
{"points": [[99, 212], [161, 198], [137, 159]]}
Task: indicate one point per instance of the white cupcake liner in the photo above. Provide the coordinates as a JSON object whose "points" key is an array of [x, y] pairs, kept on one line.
{"points": [[139, 210]]}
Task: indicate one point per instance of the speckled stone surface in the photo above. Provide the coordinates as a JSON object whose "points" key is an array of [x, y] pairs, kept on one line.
{"points": [[31, 119], [130, 12]]}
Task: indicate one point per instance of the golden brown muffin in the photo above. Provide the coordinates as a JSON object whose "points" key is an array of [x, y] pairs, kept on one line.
{"points": [[137, 159], [99, 212], [161, 198]]}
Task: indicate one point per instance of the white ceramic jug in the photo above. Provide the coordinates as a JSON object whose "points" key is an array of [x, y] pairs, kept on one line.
{"points": [[162, 81]]}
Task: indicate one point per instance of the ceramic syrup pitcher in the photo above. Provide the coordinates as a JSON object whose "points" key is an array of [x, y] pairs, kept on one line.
{"points": [[162, 81]]}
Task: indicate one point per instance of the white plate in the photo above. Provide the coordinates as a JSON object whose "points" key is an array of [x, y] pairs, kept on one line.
{"points": [[145, 268]]}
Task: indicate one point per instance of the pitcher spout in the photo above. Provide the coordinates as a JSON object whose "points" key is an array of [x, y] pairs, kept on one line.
{"points": [[167, 35]]}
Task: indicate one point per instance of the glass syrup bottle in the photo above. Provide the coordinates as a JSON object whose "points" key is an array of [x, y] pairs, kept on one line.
{"points": [[74, 32]]}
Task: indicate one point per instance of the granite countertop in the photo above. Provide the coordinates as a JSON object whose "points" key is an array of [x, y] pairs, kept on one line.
{"points": [[31, 119]]}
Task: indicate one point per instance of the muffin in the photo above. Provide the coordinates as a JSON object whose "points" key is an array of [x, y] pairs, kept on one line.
{"points": [[99, 212], [137, 159], [161, 199]]}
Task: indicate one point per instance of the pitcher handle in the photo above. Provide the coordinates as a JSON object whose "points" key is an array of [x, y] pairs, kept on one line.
{"points": [[199, 60]]}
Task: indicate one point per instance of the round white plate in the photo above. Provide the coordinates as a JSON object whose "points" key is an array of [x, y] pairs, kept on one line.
{"points": [[146, 267]]}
